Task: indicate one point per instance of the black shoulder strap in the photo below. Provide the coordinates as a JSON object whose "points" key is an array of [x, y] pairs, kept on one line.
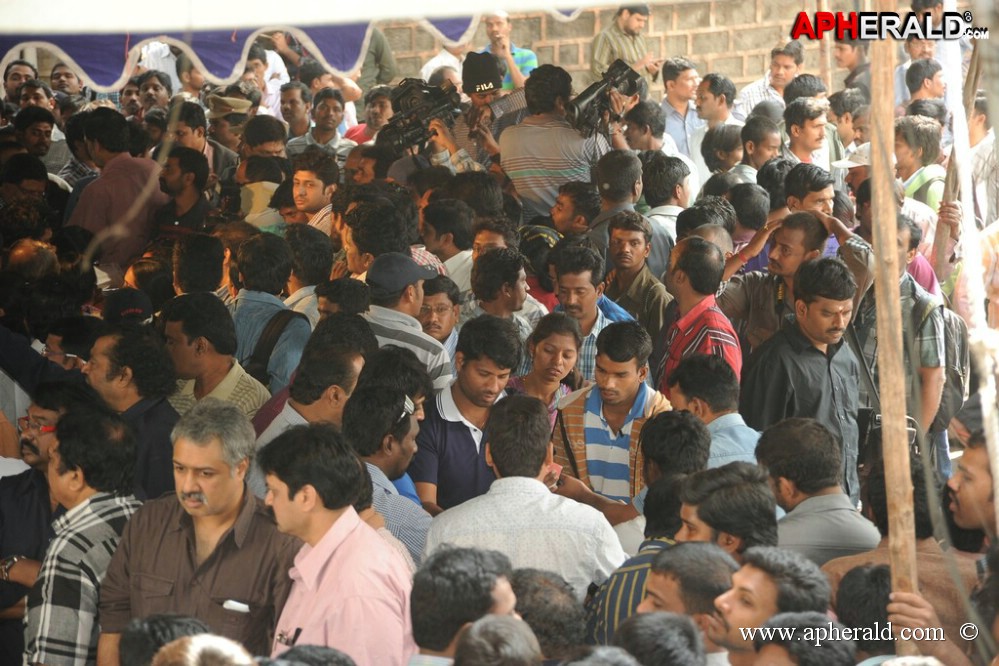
{"points": [[866, 375], [261, 356], [568, 446]]}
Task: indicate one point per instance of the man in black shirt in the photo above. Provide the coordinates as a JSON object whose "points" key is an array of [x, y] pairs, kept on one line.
{"points": [[184, 178], [807, 369]]}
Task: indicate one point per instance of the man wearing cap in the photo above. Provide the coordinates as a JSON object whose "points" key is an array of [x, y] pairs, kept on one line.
{"points": [[226, 117], [857, 165], [623, 39], [396, 283], [519, 62], [470, 145]]}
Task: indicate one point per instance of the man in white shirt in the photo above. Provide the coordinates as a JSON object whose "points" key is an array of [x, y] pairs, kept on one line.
{"points": [[446, 229], [520, 516], [713, 101]]}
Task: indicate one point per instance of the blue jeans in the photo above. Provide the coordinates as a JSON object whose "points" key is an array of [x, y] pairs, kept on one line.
{"points": [[941, 449]]}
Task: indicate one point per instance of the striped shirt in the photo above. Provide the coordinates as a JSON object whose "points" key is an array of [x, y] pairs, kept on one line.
{"points": [[753, 94], [338, 146], [392, 327], [618, 598], [406, 521], [614, 43], [525, 60], [61, 620], [586, 361], [608, 452], [703, 330], [544, 152], [236, 387]]}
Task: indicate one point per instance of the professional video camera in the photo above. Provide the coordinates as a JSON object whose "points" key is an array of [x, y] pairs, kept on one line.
{"points": [[586, 111], [414, 105]]}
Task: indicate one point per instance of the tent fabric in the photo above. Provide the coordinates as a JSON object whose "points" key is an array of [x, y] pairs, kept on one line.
{"points": [[105, 60]]}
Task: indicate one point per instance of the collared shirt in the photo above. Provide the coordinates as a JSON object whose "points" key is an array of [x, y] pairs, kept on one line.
{"points": [[108, 200], [703, 330], [756, 92], [608, 452], [459, 269], [586, 361], [75, 170], [825, 527], [618, 598], [613, 43], [731, 440], [473, 309], [525, 60], [323, 219], [788, 376], [249, 565], [451, 346], [542, 153], [681, 126], [392, 327], [665, 216], [152, 420], [535, 528], [645, 299], [927, 334], [25, 529], [61, 619], [304, 300], [450, 453], [286, 419], [338, 146], [171, 225], [744, 171], [406, 521], [236, 387], [350, 592], [254, 310]]}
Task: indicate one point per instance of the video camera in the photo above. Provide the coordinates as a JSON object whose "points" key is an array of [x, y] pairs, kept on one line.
{"points": [[414, 105], [586, 111]]}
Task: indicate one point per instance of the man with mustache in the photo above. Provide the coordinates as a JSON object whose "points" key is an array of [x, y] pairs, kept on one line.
{"points": [[26, 512], [226, 564], [807, 369]]}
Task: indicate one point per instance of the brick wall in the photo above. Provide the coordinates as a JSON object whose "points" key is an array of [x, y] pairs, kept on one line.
{"points": [[733, 37]]}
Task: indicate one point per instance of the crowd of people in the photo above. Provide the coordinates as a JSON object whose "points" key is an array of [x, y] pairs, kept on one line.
{"points": [[278, 390]]}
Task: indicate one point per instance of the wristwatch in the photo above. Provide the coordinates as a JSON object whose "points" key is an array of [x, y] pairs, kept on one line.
{"points": [[6, 564]]}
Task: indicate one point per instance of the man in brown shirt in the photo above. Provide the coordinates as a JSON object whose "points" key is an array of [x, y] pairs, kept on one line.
{"points": [[213, 553]]}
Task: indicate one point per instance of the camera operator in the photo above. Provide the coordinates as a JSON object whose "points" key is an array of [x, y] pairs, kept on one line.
{"points": [[482, 80], [545, 151]]}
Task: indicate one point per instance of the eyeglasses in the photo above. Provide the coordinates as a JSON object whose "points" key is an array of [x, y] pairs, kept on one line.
{"points": [[439, 310], [24, 424], [48, 352]]}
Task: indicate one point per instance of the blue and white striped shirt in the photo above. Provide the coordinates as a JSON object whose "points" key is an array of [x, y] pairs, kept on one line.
{"points": [[608, 452]]}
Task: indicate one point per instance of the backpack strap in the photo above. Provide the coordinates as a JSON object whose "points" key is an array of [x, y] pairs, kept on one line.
{"points": [[261, 356]]}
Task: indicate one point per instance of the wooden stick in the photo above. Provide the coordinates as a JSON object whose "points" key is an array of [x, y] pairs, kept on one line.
{"points": [[891, 373], [952, 185]]}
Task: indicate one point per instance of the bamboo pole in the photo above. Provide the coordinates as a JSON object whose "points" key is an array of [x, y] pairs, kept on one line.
{"points": [[891, 375]]}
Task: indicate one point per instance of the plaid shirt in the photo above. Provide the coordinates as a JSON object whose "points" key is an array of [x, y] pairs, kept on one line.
{"points": [[61, 621], [74, 171], [928, 338], [756, 92]]}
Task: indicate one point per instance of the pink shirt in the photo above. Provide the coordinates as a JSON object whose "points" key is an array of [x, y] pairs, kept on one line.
{"points": [[350, 592], [109, 200]]}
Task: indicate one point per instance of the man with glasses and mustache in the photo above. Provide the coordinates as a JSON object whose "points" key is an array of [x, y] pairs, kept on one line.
{"points": [[226, 562], [26, 512]]}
